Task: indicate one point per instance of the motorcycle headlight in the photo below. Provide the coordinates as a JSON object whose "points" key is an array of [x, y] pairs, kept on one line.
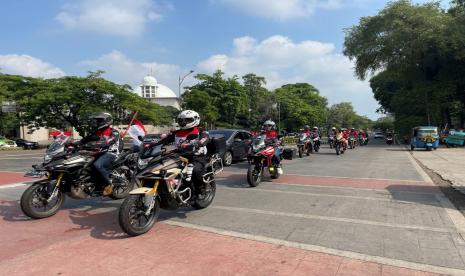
{"points": [[47, 158]]}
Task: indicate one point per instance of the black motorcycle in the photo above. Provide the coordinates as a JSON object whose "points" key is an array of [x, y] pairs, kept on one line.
{"points": [[69, 171]]}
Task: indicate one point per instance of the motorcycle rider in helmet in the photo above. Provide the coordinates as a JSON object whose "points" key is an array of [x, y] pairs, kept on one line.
{"points": [[110, 145], [191, 142], [272, 138], [307, 130]]}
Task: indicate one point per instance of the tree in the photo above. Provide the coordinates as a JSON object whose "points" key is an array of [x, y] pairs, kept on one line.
{"points": [[415, 56], [68, 101]]}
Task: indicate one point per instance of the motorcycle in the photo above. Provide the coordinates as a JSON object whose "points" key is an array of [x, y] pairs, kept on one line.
{"points": [[304, 145], [164, 184], [362, 141], [70, 172], [340, 146], [316, 142], [351, 142], [331, 141], [260, 157], [389, 140]]}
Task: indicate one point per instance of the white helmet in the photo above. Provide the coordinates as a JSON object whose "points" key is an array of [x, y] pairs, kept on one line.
{"points": [[269, 123], [315, 128], [188, 119]]}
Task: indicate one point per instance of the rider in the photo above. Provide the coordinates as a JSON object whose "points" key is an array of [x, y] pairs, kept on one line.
{"points": [[307, 130], [342, 136], [272, 138], [110, 144], [354, 134], [191, 142]]}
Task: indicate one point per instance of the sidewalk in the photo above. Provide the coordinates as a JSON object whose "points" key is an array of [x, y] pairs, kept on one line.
{"points": [[448, 163]]}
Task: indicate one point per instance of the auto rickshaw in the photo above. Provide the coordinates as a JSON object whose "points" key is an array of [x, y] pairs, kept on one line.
{"points": [[455, 138], [426, 137]]}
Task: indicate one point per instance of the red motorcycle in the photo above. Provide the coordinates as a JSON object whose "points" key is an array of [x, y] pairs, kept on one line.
{"points": [[260, 157]]}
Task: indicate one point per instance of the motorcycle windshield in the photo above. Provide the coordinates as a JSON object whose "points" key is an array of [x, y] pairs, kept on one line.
{"points": [[57, 146], [303, 137]]}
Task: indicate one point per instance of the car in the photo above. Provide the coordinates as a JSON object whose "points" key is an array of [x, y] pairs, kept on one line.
{"points": [[7, 143], [237, 144], [25, 143], [378, 135]]}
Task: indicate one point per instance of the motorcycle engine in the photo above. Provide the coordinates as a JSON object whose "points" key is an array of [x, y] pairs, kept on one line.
{"points": [[81, 191]]}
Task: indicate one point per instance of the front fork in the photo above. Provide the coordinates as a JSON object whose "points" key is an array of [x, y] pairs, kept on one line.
{"points": [[54, 188]]}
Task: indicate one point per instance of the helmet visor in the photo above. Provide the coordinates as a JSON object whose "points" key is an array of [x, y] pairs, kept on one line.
{"points": [[182, 122]]}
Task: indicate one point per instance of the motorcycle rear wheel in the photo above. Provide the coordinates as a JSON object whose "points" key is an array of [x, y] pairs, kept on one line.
{"points": [[210, 191], [253, 177], [131, 213]]}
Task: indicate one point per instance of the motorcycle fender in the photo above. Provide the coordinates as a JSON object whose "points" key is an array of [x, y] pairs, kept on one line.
{"points": [[143, 190]]}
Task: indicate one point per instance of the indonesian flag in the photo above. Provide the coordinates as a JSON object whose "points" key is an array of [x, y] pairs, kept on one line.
{"points": [[136, 130]]}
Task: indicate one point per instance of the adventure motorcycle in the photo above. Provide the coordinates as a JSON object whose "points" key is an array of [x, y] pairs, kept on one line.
{"points": [[164, 184], [316, 142], [261, 156], [304, 145], [331, 141], [340, 146], [389, 140], [70, 171], [351, 142]]}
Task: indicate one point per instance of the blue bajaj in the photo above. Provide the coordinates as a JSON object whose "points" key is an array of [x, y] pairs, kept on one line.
{"points": [[424, 137]]}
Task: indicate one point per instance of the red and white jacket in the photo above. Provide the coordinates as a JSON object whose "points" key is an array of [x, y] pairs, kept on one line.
{"points": [[190, 141]]}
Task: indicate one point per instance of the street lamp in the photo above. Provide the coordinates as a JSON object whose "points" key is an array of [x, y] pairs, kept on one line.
{"points": [[180, 80]]}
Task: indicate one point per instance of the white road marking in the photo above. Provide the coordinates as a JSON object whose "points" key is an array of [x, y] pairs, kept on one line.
{"points": [[348, 220], [14, 185], [30, 154], [387, 197], [325, 250]]}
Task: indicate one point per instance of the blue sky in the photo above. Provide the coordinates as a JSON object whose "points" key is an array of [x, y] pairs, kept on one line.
{"points": [[284, 40]]}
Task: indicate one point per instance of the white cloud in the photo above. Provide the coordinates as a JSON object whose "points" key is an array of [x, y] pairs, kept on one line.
{"points": [[121, 69], [125, 18], [28, 66], [281, 61], [288, 9]]}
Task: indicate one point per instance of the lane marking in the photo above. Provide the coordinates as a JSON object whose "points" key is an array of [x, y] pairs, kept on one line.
{"points": [[29, 154], [325, 250], [14, 185], [355, 178], [348, 220], [21, 158], [389, 199], [342, 188]]}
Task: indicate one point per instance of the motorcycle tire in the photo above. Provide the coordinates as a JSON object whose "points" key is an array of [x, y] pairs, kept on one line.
{"points": [[307, 152], [137, 202], [201, 203], [253, 178], [300, 152], [27, 198], [275, 174], [337, 149]]}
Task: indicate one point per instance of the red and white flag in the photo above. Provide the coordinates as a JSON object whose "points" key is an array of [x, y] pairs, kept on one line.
{"points": [[135, 130]]}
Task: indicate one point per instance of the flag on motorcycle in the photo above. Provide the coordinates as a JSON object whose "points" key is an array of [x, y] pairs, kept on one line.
{"points": [[137, 130]]}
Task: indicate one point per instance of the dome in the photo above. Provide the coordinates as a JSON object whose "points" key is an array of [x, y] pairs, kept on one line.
{"points": [[165, 92], [149, 81]]}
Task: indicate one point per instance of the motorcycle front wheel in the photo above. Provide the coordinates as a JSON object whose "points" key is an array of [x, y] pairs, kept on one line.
{"points": [[254, 175], [300, 151], [133, 218], [337, 149], [207, 198], [35, 201]]}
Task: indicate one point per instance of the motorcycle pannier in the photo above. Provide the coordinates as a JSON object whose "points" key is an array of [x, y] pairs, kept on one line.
{"points": [[216, 145], [288, 154]]}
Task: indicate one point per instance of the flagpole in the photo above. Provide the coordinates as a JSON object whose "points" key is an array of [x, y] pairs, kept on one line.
{"points": [[130, 123]]}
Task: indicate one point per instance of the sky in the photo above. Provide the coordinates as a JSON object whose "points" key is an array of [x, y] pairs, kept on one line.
{"points": [[286, 41]]}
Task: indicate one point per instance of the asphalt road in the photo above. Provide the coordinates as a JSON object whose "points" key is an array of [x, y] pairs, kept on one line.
{"points": [[373, 204]]}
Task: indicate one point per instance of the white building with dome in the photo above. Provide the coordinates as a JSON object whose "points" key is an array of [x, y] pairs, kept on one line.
{"points": [[158, 93]]}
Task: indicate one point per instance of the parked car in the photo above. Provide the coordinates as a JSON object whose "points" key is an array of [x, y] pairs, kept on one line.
{"points": [[237, 144], [378, 135], [25, 143], [7, 143]]}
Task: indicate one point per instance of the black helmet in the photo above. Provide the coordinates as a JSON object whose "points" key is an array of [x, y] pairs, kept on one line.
{"points": [[306, 127], [102, 120]]}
